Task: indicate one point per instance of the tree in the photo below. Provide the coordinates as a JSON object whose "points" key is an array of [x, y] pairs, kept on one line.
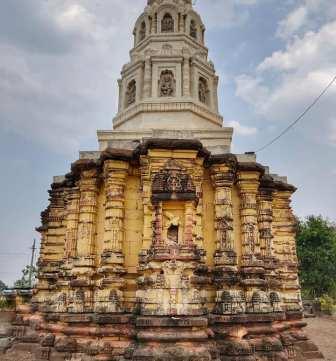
{"points": [[2, 286], [316, 246], [23, 282]]}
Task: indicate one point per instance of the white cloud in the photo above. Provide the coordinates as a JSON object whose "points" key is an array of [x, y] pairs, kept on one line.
{"points": [[228, 13], [241, 129], [309, 15], [49, 95], [287, 81], [293, 22]]}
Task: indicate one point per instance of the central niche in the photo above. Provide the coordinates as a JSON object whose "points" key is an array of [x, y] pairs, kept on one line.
{"points": [[173, 222], [174, 199], [167, 84]]}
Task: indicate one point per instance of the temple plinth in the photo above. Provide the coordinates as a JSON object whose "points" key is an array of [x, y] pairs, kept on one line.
{"points": [[163, 245]]}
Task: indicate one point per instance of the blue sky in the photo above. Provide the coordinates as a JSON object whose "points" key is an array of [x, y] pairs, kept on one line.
{"points": [[60, 60]]}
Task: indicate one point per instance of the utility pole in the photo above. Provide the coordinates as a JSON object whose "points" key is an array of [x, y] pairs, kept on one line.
{"points": [[32, 263]]}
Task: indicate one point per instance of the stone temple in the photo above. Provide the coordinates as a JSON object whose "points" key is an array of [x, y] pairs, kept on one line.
{"points": [[163, 245]]}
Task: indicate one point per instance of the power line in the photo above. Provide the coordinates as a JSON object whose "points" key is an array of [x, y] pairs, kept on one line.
{"points": [[299, 118]]}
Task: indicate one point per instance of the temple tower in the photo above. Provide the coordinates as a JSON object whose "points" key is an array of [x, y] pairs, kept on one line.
{"points": [[163, 245], [169, 87]]}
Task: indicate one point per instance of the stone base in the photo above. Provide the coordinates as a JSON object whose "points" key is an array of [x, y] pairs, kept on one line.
{"points": [[123, 337]]}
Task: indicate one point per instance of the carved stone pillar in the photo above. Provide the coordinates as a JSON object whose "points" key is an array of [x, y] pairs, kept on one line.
{"points": [[109, 296], [52, 248], [72, 210], [248, 183], [189, 223], [115, 174], [228, 297], [186, 73], [87, 214], [147, 78], [223, 178], [265, 218], [284, 226], [252, 266]]}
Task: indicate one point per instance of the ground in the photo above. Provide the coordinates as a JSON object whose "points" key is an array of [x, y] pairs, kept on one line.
{"points": [[321, 330]]}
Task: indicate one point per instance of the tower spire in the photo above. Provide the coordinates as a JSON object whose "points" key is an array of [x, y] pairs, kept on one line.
{"points": [[169, 86]]}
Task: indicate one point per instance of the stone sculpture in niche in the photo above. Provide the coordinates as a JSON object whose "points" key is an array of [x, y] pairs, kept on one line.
{"points": [[142, 32], [193, 29], [131, 93], [167, 84], [203, 91], [167, 24], [173, 228]]}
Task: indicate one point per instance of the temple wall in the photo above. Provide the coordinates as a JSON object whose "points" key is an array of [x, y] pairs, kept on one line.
{"points": [[170, 242]]}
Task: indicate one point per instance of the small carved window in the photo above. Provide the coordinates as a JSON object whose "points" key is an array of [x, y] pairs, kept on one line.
{"points": [[142, 32], [193, 29], [131, 93], [167, 24], [203, 91], [172, 234], [167, 84]]}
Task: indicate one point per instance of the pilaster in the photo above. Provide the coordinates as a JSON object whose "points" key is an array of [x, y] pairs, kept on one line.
{"points": [[109, 296]]}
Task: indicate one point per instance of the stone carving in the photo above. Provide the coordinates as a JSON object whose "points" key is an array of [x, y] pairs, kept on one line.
{"points": [[142, 31], [131, 93], [203, 91], [167, 24], [173, 180], [193, 29], [167, 84]]}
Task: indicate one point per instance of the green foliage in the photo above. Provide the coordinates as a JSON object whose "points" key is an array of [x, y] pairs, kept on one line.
{"points": [[2, 286], [23, 282], [327, 305], [3, 304], [316, 246]]}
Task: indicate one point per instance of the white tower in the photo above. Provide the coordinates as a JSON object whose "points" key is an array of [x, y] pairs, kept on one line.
{"points": [[169, 87]]}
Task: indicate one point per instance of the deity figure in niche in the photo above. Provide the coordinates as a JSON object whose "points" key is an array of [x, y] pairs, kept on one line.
{"points": [[193, 29], [167, 84], [131, 93], [142, 32], [167, 24], [173, 229], [203, 91]]}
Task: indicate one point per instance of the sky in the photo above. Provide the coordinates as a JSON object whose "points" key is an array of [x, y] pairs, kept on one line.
{"points": [[59, 65]]}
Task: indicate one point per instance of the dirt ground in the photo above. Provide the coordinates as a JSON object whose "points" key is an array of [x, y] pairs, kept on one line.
{"points": [[321, 330]]}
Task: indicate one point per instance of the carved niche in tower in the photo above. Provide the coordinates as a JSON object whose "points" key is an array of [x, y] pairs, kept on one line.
{"points": [[131, 93], [203, 91], [193, 29], [142, 32], [167, 24], [167, 84]]}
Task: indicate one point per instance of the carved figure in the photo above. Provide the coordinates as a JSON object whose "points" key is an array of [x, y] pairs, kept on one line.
{"points": [[131, 93], [203, 90], [167, 84], [193, 29], [142, 32], [167, 24]]}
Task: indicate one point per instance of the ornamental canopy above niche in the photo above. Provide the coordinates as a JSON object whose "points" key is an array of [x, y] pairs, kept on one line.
{"points": [[173, 182]]}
